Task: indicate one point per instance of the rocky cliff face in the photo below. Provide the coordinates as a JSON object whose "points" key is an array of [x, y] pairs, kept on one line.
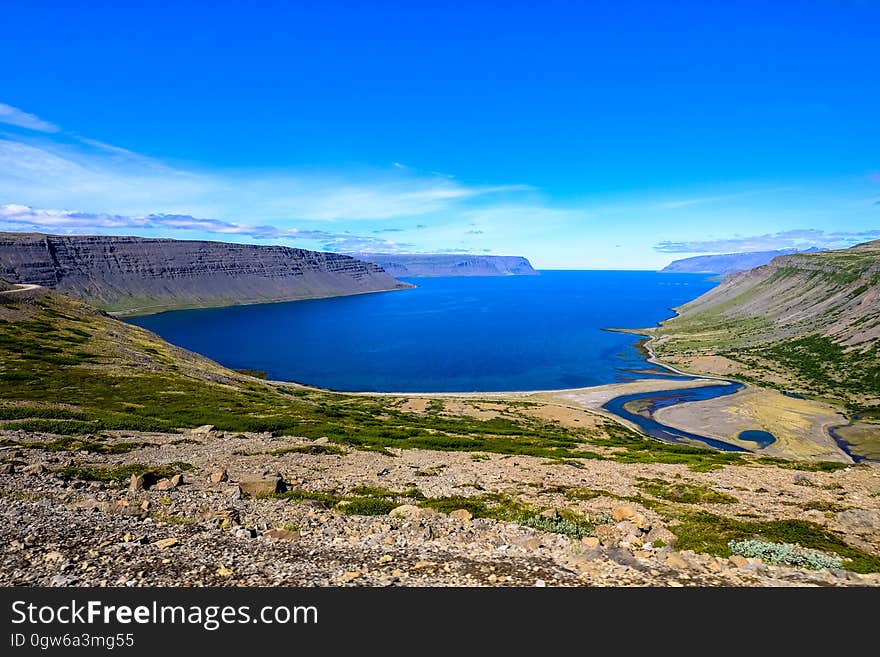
{"points": [[428, 265], [139, 275], [832, 293], [727, 263]]}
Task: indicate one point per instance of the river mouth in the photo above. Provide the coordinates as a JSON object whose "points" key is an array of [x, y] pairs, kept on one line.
{"points": [[639, 408]]}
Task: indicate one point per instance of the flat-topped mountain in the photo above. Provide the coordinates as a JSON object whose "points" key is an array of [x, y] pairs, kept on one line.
{"points": [[727, 263], [138, 275], [425, 265]]}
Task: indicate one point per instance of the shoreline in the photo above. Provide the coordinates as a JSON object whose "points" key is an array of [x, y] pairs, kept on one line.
{"points": [[137, 312]]}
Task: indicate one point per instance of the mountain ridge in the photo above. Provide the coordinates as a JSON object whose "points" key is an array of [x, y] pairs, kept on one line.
{"points": [[137, 275], [430, 265], [806, 323], [727, 263]]}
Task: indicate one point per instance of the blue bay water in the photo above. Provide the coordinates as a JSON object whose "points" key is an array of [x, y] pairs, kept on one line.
{"points": [[447, 335]]}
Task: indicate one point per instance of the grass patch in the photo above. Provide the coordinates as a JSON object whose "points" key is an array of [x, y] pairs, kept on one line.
{"points": [[366, 506], [684, 492], [117, 473], [702, 531], [569, 525], [94, 445], [807, 466], [785, 553]]}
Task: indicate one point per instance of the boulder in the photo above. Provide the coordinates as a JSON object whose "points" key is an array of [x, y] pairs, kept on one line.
{"points": [[590, 541], [163, 543], [675, 560], [282, 534], [204, 430], [859, 520], [622, 513], [738, 561], [35, 469], [7, 468], [164, 484], [261, 485], [462, 514], [408, 511], [608, 535], [218, 476], [136, 483]]}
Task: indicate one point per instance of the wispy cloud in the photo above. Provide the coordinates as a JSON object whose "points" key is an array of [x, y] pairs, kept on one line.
{"points": [[14, 116], [106, 178], [24, 218], [770, 242]]}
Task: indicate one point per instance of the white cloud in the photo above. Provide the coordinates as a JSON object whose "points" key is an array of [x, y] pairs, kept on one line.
{"points": [[24, 218], [14, 116], [798, 238]]}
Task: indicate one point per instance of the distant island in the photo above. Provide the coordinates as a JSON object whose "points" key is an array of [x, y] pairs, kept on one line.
{"points": [[727, 263], [136, 275], [427, 265]]}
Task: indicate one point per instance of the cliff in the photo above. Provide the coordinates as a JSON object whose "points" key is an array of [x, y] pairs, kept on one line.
{"points": [[726, 263], [137, 275], [425, 265], [808, 322]]}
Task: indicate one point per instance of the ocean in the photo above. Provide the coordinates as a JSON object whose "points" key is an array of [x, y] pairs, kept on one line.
{"points": [[446, 335]]}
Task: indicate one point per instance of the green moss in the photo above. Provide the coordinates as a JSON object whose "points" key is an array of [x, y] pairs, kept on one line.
{"points": [[116, 473], [684, 492], [808, 466], [706, 532], [366, 506], [95, 445]]}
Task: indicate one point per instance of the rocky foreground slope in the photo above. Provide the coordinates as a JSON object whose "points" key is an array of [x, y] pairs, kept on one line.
{"points": [[107, 478], [139, 275], [427, 265]]}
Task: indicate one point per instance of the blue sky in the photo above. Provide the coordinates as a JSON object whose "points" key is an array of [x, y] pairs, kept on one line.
{"points": [[581, 135]]}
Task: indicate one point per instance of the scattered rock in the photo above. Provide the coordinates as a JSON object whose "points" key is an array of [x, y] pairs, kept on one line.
{"points": [[164, 484], [675, 560], [462, 515], [223, 571], [7, 468], [350, 575], [859, 520], [204, 430], [218, 476], [282, 534], [608, 535], [136, 483], [640, 521], [738, 561], [386, 558], [261, 485], [35, 469], [408, 511], [551, 513], [590, 541], [164, 543], [622, 513]]}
